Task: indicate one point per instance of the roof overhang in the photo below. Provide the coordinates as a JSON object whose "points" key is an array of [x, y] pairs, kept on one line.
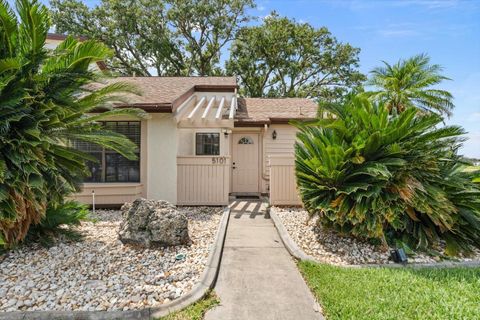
{"points": [[215, 88], [167, 107], [239, 123], [61, 37], [149, 107]]}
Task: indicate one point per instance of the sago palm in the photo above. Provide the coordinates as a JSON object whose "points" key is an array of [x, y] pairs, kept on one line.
{"points": [[395, 178], [411, 83], [45, 100]]}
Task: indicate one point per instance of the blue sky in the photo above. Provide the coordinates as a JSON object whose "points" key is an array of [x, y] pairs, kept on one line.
{"points": [[448, 30]]}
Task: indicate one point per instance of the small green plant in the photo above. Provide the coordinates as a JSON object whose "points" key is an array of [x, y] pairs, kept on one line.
{"points": [[196, 311], [60, 219], [392, 177]]}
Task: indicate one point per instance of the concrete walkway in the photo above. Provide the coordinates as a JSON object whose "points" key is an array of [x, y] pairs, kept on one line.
{"points": [[258, 279]]}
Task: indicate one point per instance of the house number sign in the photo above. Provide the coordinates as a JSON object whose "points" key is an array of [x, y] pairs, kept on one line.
{"points": [[219, 160]]}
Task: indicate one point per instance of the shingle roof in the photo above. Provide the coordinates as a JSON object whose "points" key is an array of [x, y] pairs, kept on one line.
{"points": [[160, 94], [165, 90], [264, 110]]}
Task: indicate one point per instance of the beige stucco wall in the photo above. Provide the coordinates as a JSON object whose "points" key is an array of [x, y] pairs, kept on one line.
{"points": [[109, 193], [186, 140], [158, 166], [161, 157], [162, 142]]}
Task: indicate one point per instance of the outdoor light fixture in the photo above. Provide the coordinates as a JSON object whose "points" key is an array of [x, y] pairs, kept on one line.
{"points": [[399, 256], [274, 135]]}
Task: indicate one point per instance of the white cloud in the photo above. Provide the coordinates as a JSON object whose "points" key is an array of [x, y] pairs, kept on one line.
{"points": [[359, 5], [471, 147], [430, 4], [393, 30], [474, 117]]}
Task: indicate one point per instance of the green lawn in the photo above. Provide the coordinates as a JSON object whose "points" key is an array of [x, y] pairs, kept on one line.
{"points": [[388, 293], [196, 311]]}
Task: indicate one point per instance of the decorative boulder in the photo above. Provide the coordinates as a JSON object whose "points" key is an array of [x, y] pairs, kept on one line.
{"points": [[153, 223]]}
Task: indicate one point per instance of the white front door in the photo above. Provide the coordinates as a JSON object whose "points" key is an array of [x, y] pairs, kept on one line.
{"points": [[245, 162]]}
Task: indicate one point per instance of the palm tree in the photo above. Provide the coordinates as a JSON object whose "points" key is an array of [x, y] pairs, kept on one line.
{"points": [[411, 83], [391, 177], [45, 100]]}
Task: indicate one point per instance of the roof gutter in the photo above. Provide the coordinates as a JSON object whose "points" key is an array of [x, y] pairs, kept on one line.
{"points": [[149, 107], [261, 123]]}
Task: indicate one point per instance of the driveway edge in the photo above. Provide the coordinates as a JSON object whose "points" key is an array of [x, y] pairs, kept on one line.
{"points": [[299, 254], [207, 282]]}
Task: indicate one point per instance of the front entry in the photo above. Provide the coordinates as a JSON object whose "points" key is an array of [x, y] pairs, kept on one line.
{"points": [[245, 162]]}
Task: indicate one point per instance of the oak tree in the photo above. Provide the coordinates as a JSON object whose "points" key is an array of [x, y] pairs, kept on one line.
{"points": [[285, 58]]}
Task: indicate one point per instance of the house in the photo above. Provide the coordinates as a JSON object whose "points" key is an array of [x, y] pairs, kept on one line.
{"points": [[54, 39], [201, 144]]}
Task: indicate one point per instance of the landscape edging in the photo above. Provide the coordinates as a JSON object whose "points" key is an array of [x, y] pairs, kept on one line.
{"points": [[299, 254], [206, 282], [289, 243]]}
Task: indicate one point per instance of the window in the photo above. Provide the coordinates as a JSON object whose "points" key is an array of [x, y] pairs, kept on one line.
{"points": [[207, 144], [245, 140], [111, 166]]}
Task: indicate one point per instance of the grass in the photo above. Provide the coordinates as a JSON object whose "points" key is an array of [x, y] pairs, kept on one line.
{"points": [[472, 168], [388, 293], [196, 311]]}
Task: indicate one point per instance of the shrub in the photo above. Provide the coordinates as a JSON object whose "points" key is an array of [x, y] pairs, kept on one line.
{"points": [[396, 178], [46, 98], [59, 219]]}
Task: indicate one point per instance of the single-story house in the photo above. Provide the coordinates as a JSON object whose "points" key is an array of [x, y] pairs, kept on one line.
{"points": [[202, 144]]}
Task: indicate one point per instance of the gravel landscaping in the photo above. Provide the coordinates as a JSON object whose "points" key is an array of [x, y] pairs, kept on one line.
{"points": [[329, 247], [101, 273]]}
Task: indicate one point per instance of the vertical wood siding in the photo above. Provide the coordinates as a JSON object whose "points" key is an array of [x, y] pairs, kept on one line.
{"points": [[201, 182], [282, 145], [283, 185]]}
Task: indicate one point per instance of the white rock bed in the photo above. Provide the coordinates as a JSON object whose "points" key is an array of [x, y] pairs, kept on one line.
{"points": [[100, 273], [329, 247]]}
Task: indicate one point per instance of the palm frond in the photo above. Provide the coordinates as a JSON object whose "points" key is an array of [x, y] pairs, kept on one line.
{"points": [[392, 177], [46, 96], [409, 83]]}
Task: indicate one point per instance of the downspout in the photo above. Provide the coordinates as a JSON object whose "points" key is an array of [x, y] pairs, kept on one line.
{"points": [[264, 164]]}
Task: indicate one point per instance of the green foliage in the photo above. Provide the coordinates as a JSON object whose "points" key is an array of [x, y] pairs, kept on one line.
{"points": [[173, 37], [59, 219], [195, 311], [411, 83], [284, 58], [45, 100], [390, 293], [397, 177]]}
